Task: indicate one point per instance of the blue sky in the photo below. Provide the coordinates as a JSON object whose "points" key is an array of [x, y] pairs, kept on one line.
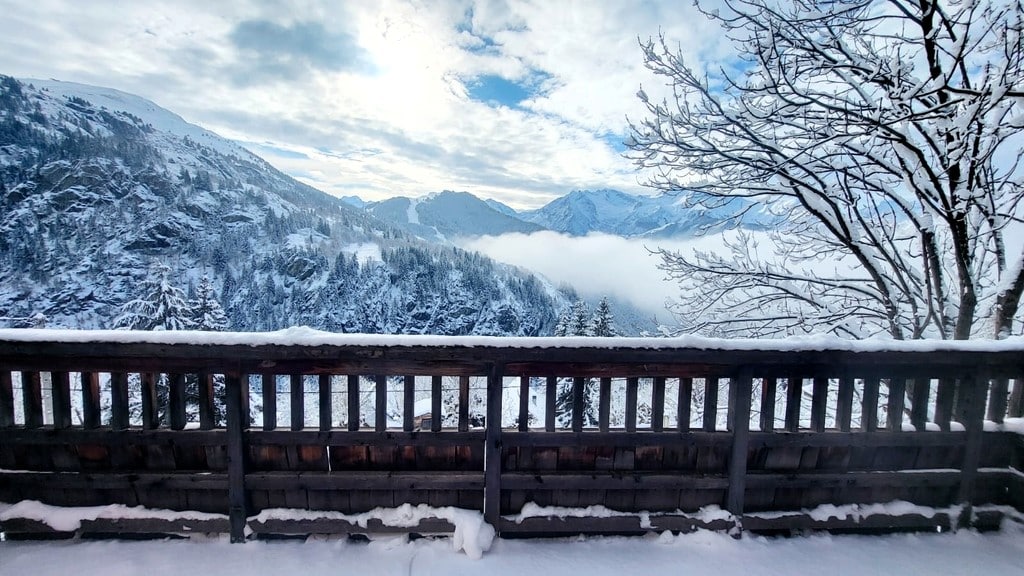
{"points": [[517, 101]]}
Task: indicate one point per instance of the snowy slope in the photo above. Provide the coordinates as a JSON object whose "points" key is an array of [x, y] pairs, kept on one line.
{"points": [[97, 186], [448, 215]]}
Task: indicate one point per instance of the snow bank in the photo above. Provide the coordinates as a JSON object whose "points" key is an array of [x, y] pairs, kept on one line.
{"points": [[69, 519], [304, 336], [858, 512], [707, 514], [472, 534]]}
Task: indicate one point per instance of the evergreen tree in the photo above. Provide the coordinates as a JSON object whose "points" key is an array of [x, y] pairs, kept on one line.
{"points": [[603, 322], [579, 319], [562, 328], [162, 306], [206, 311]]}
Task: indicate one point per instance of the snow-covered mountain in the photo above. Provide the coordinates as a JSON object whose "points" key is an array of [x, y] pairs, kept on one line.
{"points": [[628, 215], [97, 186], [447, 215]]}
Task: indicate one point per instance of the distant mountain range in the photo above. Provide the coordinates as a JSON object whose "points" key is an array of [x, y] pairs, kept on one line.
{"points": [[445, 216], [97, 186]]}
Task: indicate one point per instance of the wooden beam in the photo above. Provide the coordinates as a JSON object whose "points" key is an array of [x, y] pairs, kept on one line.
{"points": [[684, 403], [919, 403], [550, 405], [604, 402], [207, 413], [997, 400], [32, 399], [150, 402], [819, 401], [90, 399], [944, 396], [237, 422], [710, 404], [354, 418], [6, 399], [769, 387], [869, 405], [524, 404], [408, 403], [658, 404], [794, 394], [739, 392], [297, 400], [578, 390], [974, 391], [844, 404], [436, 417], [492, 448], [896, 404], [269, 383], [380, 408], [325, 401], [463, 403], [631, 391]]}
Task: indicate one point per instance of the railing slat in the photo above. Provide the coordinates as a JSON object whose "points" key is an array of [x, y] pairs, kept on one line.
{"points": [[237, 421], [973, 393], [380, 418], [631, 390], [324, 399], [524, 404], [463, 403], [658, 404], [844, 404], [269, 382], [409, 403], [354, 418], [711, 403], [436, 418], [819, 400], [894, 409], [944, 397], [207, 414], [176, 401], [769, 386], [32, 399], [997, 400], [492, 449], [919, 403], [869, 405], [1016, 403], [60, 398], [604, 404], [6, 399], [297, 399], [794, 394], [150, 402], [118, 400], [550, 405], [683, 406], [90, 399], [578, 389], [739, 424]]}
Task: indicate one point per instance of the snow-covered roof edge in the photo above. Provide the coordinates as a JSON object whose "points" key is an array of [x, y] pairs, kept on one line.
{"points": [[303, 336]]}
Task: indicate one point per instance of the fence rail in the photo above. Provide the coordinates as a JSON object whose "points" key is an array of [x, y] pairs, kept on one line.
{"points": [[243, 423]]}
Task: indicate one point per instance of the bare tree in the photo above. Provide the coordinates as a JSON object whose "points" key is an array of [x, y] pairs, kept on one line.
{"points": [[885, 139]]}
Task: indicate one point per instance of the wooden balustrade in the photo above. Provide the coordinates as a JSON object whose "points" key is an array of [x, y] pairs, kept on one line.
{"points": [[638, 426]]}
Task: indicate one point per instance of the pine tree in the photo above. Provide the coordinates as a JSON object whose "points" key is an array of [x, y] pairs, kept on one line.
{"points": [[206, 311], [562, 328], [579, 319], [162, 307], [603, 322]]}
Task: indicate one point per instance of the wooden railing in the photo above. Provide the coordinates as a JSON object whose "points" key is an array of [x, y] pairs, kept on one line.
{"points": [[655, 430]]}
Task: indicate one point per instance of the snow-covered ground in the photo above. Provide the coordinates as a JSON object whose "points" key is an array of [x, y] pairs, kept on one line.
{"points": [[703, 553]]}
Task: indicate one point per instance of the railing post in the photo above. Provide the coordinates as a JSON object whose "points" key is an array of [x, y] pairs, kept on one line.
{"points": [[740, 389], [973, 391], [6, 400], [237, 422], [492, 449]]}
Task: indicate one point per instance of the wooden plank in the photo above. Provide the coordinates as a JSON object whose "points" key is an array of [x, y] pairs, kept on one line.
{"points": [[869, 405], [534, 481], [1015, 409], [325, 401], [578, 389], [463, 403], [997, 400], [207, 414], [354, 418], [739, 425], [896, 404], [844, 404], [436, 417], [60, 383], [176, 401], [794, 393], [366, 481], [769, 386], [6, 399], [380, 408], [604, 409], [919, 403], [297, 400], [90, 399], [632, 384], [236, 450], [524, 404], [268, 382], [944, 396], [710, 404], [150, 403], [550, 397], [32, 399], [408, 403], [118, 400], [388, 438], [974, 390], [684, 404], [819, 400], [492, 450], [658, 404]]}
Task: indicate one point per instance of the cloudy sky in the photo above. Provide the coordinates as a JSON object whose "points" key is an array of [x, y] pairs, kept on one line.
{"points": [[517, 101]]}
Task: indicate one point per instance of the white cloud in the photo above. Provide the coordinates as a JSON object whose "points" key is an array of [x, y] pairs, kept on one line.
{"points": [[390, 114]]}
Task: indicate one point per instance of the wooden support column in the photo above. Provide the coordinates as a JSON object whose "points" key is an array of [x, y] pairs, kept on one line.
{"points": [[604, 408], [61, 398], [769, 386], [32, 399], [436, 418], [176, 399], [237, 422], [380, 418], [297, 398], [740, 388], [658, 404], [269, 383], [710, 404], [631, 391], [324, 401], [90, 399], [973, 391], [869, 405], [794, 393], [998, 400], [150, 403], [354, 418], [463, 403], [409, 403], [844, 404], [118, 401], [819, 399], [919, 403], [683, 404], [6, 400], [550, 406], [578, 390], [897, 400], [492, 449], [524, 404], [207, 414]]}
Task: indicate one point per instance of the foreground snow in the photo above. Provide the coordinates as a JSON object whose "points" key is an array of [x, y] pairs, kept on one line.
{"points": [[703, 553]]}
